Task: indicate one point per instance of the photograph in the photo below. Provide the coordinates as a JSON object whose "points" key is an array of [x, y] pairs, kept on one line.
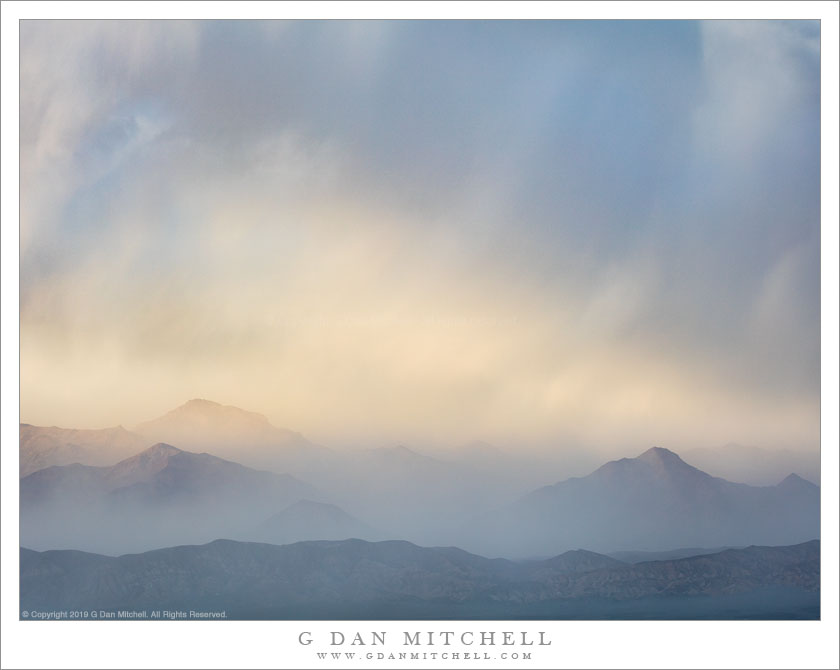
{"points": [[418, 335]]}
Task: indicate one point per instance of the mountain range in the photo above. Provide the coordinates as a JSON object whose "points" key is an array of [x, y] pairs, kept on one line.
{"points": [[477, 497], [197, 425], [650, 503], [41, 447], [235, 434], [158, 497], [353, 579]]}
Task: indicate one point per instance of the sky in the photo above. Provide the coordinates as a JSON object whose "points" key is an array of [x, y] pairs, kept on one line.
{"points": [[539, 234]]}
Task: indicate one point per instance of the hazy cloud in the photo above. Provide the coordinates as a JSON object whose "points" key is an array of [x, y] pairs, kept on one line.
{"points": [[540, 233]]}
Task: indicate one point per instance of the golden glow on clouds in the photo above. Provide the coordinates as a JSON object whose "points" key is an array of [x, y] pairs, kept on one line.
{"points": [[269, 271], [363, 334]]}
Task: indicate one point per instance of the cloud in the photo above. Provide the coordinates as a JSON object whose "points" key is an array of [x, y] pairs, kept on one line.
{"points": [[532, 233], [758, 76], [72, 80]]}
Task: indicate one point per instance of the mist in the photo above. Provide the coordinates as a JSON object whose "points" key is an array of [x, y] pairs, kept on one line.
{"points": [[536, 235], [234, 475]]}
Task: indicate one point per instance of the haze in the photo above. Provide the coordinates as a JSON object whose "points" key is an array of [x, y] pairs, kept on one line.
{"points": [[538, 234]]}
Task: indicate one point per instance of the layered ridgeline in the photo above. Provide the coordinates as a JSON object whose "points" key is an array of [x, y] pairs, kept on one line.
{"points": [[41, 447], [197, 425], [476, 497], [650, 503], [411, 495], [395, 488], [160, 497], [235, 434], [398, 580]]}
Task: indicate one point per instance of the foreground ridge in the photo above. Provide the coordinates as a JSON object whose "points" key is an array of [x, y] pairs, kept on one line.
{"points": [[397, 579]]}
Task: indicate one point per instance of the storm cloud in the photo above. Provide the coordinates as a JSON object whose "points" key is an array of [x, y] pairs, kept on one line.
{"points": [[533, 233]]}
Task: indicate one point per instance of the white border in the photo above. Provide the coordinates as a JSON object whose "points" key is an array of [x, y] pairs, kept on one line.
{"points": [[273, 644]]}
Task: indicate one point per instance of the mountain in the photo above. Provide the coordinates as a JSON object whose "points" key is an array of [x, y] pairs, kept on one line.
{"points": [[390, 487], [754, 465], [650, 503], [425, 498], [41, 447], [236, 434], [795, 483], [308, 520], [161, 495], [575, 561], [207, 422], [161, 472], [353, 579]]}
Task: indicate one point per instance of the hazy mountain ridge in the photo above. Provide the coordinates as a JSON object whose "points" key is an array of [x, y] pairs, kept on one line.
{"points": [[257, 579], [754, 465], [167, 469], [209, 422], [156, 498], [575, 561], [653, 502], [41, 447], [474, 496], [388, 487]]}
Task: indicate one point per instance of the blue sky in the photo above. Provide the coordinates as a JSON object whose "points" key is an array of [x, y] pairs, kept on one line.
{"points": [[538, 233]]}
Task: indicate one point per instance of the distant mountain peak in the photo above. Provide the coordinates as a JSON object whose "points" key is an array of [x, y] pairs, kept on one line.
{"points": [[202, 401], [662, 463], [161, 448], [580, 560], [42, 446], [794, 480], [213, 409], [578, 554], [200, 420], [662, 459], [153, 459], [229, 432], [310, 520], [793, 477], [660, 454]]}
